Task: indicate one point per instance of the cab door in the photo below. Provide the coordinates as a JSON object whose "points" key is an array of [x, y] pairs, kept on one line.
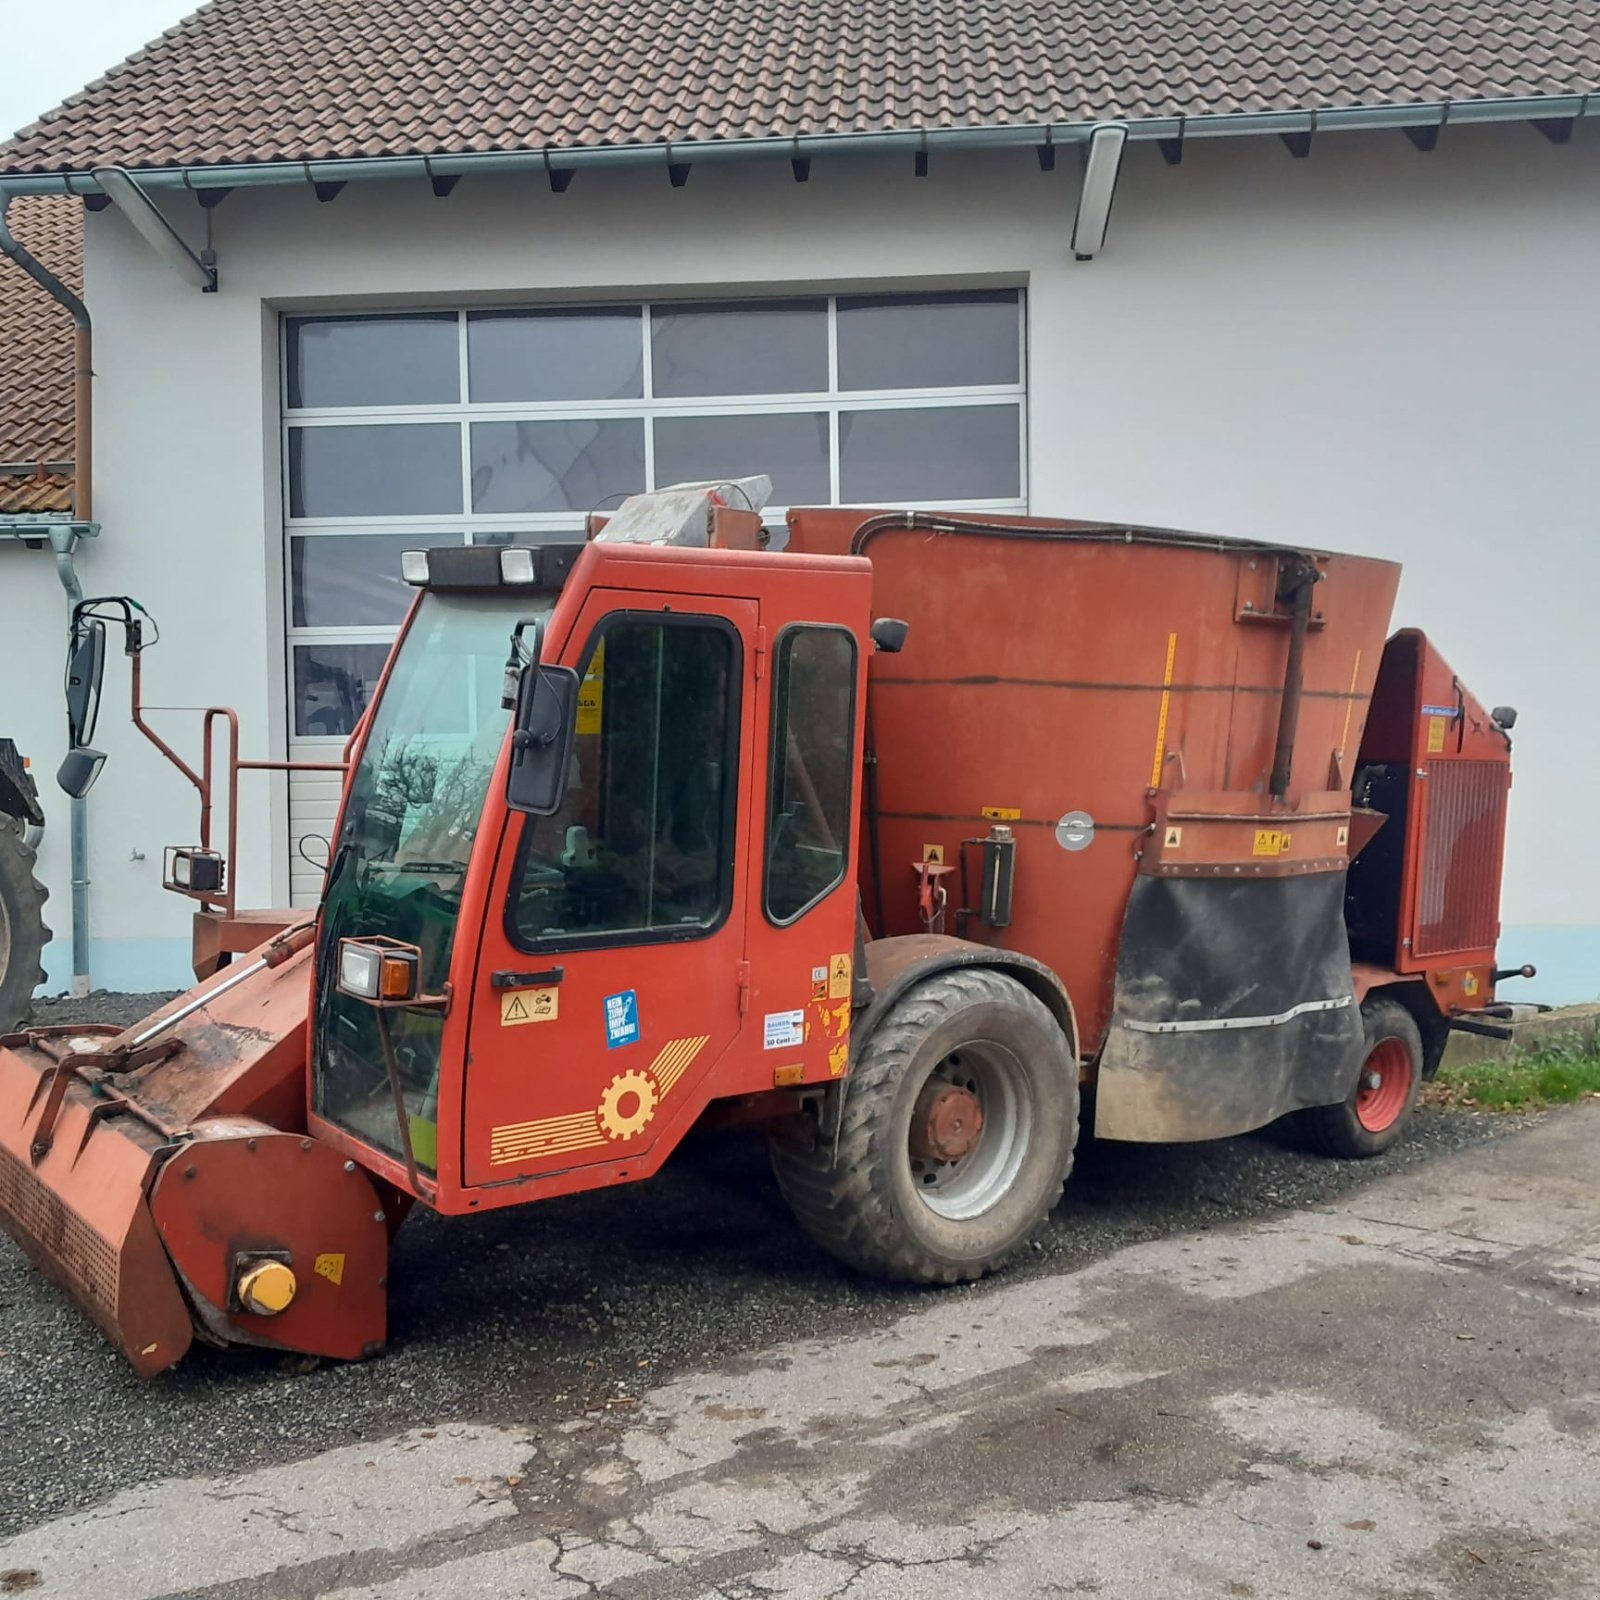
{"points": [[610, 976]]}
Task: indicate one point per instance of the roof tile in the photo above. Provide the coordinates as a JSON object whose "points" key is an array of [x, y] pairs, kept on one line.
{"points": [[36, 333], [259, 80]]}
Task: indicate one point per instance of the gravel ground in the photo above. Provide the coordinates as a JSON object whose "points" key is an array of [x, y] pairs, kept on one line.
{"points": [[541, 1313]]}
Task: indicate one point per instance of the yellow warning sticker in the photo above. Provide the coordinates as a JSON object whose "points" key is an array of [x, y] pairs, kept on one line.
{"points": [[1469, 984], [1002, 813], [1174, 839], [529, 1005], [1436, 727], [840, 970], [1342, 837], [1271, 842], [933, 855], [592, 692], [330, 1267]]}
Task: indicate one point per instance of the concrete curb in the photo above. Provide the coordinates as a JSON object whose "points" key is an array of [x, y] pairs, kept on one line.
{"points": [[1578, 1025]]}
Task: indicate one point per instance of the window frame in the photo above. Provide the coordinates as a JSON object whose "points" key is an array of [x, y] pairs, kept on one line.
{"points": [[732, 749], [785, 635]]}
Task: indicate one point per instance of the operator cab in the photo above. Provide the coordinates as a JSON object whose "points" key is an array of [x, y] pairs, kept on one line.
{"points": [[606, 859]]}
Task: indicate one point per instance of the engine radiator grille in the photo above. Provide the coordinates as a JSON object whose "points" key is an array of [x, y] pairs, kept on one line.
{"points": [[1462, 835]]}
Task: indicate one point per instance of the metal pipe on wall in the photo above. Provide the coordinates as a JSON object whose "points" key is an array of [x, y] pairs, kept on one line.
{"points": [[83, 511]]}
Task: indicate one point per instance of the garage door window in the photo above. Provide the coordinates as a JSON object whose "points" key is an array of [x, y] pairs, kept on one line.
{"points": [[509, 426]]}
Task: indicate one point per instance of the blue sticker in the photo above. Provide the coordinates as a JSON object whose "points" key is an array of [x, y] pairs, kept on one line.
{"points": [[1441, 711], [622, 1018]]}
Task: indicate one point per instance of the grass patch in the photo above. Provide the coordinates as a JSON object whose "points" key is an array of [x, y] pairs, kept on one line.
{"points": [[1542, 1075]]}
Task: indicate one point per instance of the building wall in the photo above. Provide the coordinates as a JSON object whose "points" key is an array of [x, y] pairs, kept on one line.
{"points": [[1373, 349]]}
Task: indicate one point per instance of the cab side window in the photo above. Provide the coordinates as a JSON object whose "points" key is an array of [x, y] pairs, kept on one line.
{"points": [[642, 846], [812, 762]]}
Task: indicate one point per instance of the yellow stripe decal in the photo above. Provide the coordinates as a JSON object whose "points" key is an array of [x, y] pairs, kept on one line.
{"points": [[676, 1059], [579, 1130], [1161, 725]]}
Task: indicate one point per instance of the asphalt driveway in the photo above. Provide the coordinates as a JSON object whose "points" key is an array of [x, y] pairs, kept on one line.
{"points": [[1394, 1392]]}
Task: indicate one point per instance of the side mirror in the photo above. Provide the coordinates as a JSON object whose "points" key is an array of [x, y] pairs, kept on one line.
{"points": [[86, 666], [77, 772], [541, 738], [1504, 717], [889, 635]]}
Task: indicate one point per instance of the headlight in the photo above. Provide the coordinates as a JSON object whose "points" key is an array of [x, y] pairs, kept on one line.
{"points": [[359, 968], [414, 566], [516, 565]]}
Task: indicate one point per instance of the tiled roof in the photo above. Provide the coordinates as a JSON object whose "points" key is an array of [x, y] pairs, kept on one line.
{"points": [[36, 335], [272, 80], [34, 491]]}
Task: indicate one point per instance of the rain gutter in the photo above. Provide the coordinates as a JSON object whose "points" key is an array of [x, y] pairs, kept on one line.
{"points": [[1545, 110], [63, 535]]}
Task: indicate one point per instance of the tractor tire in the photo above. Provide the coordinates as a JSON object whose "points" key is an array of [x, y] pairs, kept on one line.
{"points": [[919, 1189], [1378, 1110], [23, 934]]}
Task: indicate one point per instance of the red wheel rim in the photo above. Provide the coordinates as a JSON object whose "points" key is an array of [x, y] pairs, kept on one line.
{"points": [[1385, 1085]]}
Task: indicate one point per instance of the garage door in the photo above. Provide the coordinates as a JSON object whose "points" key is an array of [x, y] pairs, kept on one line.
{"points": [[510, 426]]}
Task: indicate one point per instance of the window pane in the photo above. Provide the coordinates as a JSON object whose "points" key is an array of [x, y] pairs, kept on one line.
{"points": [[928, 341], [813, 745], [932, 453], [643, 843], [402, 470], [352, 580], [792, 450], [374, 361], [555, 466], [765, 347], [332, 684], [555, 355]]}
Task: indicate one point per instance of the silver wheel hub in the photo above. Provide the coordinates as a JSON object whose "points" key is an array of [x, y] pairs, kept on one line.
{"points": [[991, 1077]]}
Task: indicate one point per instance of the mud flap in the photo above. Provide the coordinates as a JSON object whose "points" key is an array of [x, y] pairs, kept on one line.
{"points": [[1233, 1006]]}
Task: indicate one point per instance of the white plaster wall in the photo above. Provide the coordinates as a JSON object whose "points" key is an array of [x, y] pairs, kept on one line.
{"points": [[1372, 348]]}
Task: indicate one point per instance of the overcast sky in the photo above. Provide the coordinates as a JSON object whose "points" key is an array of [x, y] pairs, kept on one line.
{"points": [[54, 47]]}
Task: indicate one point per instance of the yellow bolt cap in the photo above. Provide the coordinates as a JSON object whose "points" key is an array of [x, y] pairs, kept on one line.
{"points": [[266, 1288]]}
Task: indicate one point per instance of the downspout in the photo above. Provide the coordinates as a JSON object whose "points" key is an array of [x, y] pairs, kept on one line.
{"points": [[83, 511]]}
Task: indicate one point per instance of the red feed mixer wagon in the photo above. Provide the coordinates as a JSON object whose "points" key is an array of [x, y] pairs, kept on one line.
{"points": [[921, 842]]}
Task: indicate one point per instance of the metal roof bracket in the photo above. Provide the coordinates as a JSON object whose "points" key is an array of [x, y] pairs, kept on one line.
{"points": [[560, 177], [151, 224], [440, 183], [1047, 151], [1299, 144], [1426, 138], [1172, 149]]}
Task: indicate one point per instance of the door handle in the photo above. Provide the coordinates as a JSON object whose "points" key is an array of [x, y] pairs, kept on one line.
{"points": [[526, 980]]}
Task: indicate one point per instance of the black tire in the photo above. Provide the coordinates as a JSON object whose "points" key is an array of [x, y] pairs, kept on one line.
{"points": [[872, 1205], [23, 934], [1372, 1119]]}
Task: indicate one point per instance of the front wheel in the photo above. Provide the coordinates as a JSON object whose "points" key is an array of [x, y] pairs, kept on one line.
{"points": [[960, 1118], [1377, 1111]]}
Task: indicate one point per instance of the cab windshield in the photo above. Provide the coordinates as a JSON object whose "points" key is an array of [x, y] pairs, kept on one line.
{"points": [[397, 868]]}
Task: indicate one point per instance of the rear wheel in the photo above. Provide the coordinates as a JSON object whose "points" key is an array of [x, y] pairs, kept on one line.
{"points": [[1378, 1110], [22, 930], [960, 1118]]}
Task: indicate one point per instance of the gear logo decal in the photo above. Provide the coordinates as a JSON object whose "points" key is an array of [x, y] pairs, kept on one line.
{"points": [[627, 1105]]}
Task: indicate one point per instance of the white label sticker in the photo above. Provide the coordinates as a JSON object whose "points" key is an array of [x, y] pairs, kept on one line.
{"points": [[784, 1030]]}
